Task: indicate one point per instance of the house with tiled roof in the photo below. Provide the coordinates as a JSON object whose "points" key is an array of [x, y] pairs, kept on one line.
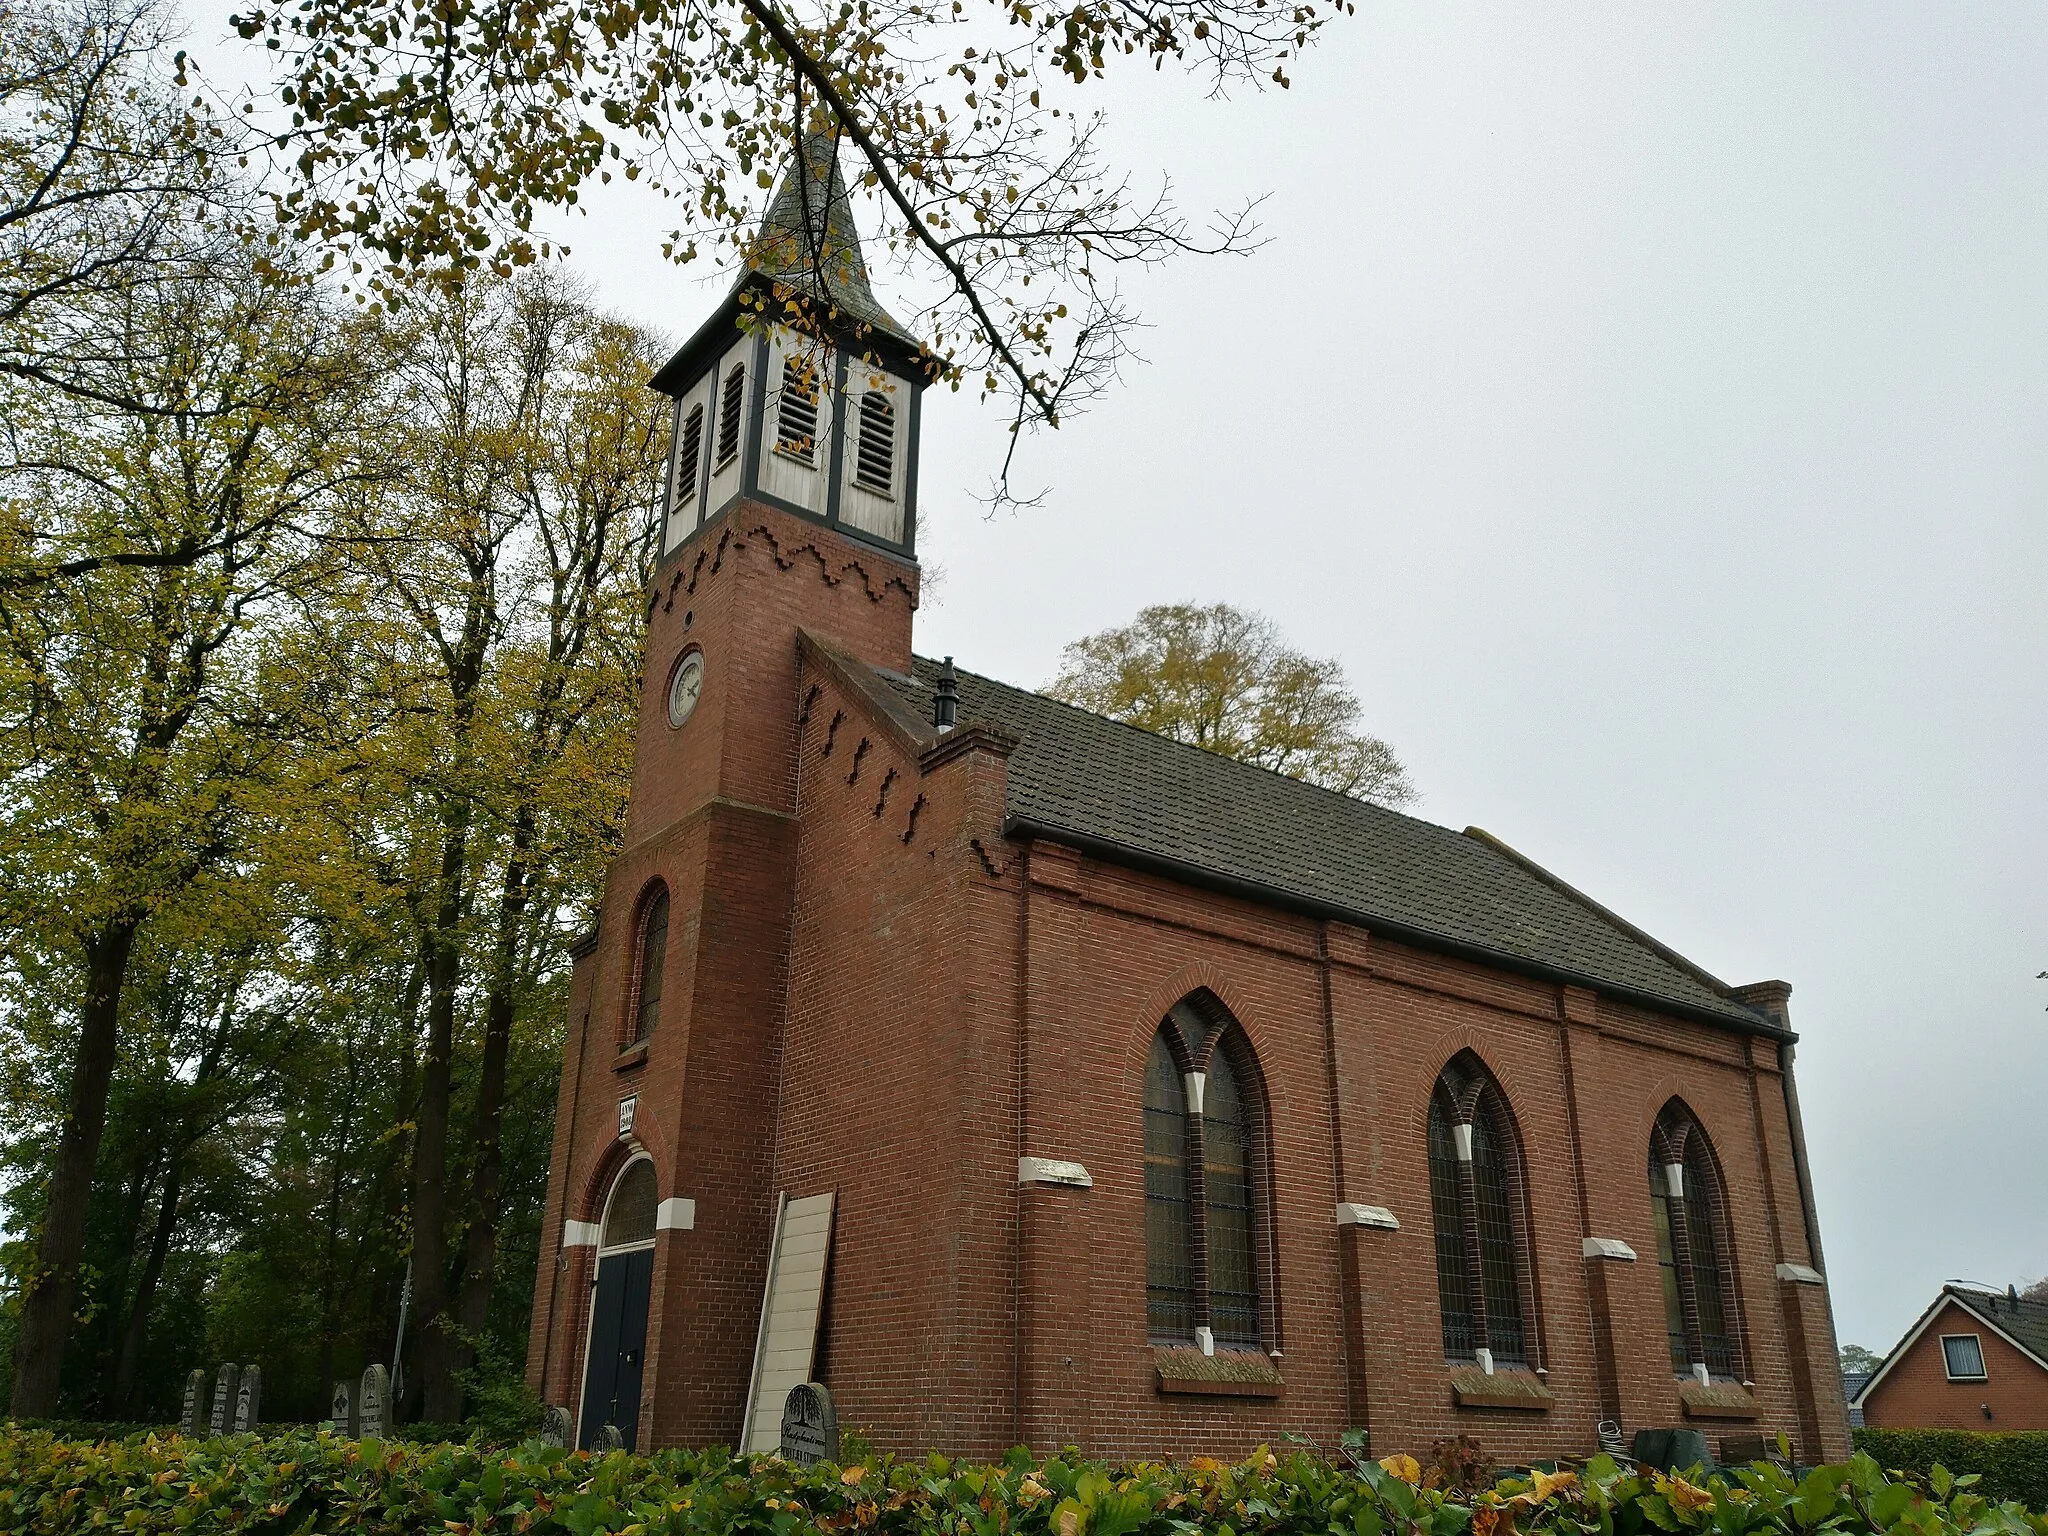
{"points": [[1009, 1074], [1977, 1358]]}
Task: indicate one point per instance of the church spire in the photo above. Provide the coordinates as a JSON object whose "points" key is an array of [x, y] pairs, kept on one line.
{"points": [[809, 241]]}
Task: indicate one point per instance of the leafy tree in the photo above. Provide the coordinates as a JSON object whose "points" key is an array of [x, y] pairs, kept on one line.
{"points": [[147, 709], [429, 137], [1224, 680], [1855, 1358]]}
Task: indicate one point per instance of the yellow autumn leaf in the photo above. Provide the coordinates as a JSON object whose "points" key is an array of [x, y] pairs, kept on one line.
{"points": [[853, 1475], [1684, 1495], [1405, 1468]]}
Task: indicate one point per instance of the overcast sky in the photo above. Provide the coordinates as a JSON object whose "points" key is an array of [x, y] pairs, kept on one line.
{"points": [[1649, 405]]}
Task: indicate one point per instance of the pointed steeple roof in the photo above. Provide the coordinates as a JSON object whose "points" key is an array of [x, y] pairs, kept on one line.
{"points": [[808, 239]]}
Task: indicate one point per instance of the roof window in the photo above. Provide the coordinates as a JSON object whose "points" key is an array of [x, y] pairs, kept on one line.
{"points": [[1963, 1354]]}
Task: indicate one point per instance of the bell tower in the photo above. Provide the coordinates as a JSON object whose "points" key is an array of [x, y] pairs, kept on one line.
{"points": [[789, 505]]}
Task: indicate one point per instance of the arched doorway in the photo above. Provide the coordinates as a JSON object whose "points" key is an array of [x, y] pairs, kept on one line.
{"points": [[618, 1308]]}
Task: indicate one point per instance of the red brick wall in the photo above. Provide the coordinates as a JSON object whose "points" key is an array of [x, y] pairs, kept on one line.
{"points": [[1917, 1394], [874, 992]]}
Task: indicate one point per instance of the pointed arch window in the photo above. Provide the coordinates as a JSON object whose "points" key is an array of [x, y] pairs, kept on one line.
{"points": [[1689, 1210], [1484, 1281], [1205, 1248], [653, 955]]}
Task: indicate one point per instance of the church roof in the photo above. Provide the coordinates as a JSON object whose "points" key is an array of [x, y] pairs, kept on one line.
{"points": [[808, 239], [1129, 795]]}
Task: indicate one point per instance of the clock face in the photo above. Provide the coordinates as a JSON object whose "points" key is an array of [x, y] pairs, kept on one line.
{"points": [[684, 684]]}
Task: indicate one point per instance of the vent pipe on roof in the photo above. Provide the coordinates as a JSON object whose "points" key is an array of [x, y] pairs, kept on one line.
{"points": [[946, 702]]}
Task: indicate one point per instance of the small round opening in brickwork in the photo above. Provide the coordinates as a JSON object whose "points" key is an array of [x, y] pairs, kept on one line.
{"points": [[689, 615]]}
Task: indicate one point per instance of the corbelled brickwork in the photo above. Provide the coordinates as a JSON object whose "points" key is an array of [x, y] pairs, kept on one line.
{"points": [[870, 989]]}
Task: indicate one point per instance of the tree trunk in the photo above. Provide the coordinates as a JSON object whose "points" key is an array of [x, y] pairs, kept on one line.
{"points": [[152, 1272], [50, 1295], [440, 1395], [486, 1187]]}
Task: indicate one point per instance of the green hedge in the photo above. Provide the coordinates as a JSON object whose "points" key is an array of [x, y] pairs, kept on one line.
{"points": [[2013, 1465], [304, 1484]]}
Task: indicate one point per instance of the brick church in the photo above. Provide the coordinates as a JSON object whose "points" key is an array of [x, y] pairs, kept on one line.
{"points": [[1028, 1078]]}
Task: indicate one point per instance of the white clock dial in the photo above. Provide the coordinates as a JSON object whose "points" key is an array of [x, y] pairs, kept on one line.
{"points": [[684, 684]]}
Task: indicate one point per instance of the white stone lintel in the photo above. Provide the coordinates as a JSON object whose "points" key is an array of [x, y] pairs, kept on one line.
{"points": [[1051, 1170], [579, 1234], [1607, 1248], [678, 1213], [1195, 1083], [1461, 1141], [1350, 1215], [1801, 1274]]}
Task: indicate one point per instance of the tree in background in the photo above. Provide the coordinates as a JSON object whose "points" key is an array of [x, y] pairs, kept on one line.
{"points": [[1224, 680], [428, 138], [1858, 1360]]}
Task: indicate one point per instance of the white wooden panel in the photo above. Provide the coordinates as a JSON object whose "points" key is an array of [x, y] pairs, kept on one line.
{"points": [[725, 478], [784, 474], [789, 1314], [860, 507]]}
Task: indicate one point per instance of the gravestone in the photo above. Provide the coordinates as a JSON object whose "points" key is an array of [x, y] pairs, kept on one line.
{"points": [[376, 1403], [556, 1427], [221, 1421], [194, 1405], [610, 1439], [810, 1429], [342, 1409], [248, 1399]]}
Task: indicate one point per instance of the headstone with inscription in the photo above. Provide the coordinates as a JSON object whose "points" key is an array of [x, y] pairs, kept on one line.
{"points": [[556, 1427], [341, 1408], [810, 1429], [194, 1405], [221, 1421], [248, 1399], [376, 1403]]}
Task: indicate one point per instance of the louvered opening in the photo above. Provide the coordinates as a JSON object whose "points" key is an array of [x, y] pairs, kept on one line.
{"points": [[796, 418], [729, 414], [689, 456], [874, 467]]}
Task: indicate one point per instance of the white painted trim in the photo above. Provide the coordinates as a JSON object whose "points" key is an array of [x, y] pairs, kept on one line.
{"points": [[1461, 1138], [1607, 1248], [1485, 1358], [1978, 1339], [1349, 1215], [1702, 1375], [1195, 1082], [581, 1234], [678, 1213], [1674, 1180], [1051, 1170], [1800, 1274], [1205, 1340]]}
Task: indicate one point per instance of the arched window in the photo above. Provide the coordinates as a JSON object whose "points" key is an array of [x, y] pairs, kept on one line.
{"points": [[1169, 1282], [796, 413], [1203, 1136], [689, 457], [1475, 1196], [629, 1214], [874, 463], [653, 952], [1689, 1210], [730, 403]]}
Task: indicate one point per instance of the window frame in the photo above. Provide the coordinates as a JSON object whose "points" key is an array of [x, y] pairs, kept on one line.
{"points": [[1677, 1136], [732, 417], [1977, 1342], [885, 417], [1467, 1095], [803, 450], [1193, 1033], [655, 895]]}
